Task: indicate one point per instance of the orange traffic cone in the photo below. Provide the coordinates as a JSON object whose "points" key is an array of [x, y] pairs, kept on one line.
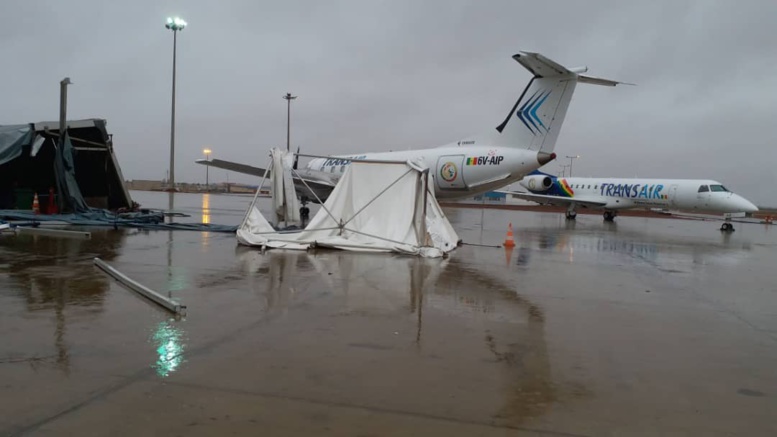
{"points": [[52, 207], [35, 204], [509, 241]]}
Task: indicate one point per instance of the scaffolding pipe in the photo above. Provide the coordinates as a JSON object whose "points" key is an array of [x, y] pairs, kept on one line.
{"points": [[144, 291], [54, 232]]}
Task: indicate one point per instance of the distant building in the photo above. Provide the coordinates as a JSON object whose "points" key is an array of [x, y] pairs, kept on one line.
{"points": [[144, 185]]}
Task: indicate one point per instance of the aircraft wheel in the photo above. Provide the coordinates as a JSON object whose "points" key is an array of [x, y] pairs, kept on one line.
{"points": [[609, 216], [727, 227], [571, 215]]}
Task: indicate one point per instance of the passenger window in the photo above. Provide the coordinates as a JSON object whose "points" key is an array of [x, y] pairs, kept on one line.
{"points": [[703, 189], [596, 187], [589, 187]]}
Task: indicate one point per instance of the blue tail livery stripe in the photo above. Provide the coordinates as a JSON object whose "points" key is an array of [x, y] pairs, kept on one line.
{"points": [[528, 112]]}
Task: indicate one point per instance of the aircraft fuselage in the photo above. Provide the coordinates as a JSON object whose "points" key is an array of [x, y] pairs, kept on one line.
{"points": [[459, 171]]}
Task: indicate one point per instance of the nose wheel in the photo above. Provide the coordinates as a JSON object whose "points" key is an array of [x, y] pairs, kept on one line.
{"points": [[571, 214], [727, 227], [609, 216]]}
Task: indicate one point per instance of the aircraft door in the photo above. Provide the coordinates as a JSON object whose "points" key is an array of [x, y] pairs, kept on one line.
{"points": [[673, 195], [703, 196], [450, 172]]}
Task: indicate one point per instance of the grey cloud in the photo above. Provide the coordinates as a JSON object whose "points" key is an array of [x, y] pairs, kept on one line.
{"points": [[380, 75]]}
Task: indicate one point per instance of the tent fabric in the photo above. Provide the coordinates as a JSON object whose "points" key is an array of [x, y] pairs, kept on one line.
{"points": [[64, 170], [381, 207], [286, 206], [12, 139]]}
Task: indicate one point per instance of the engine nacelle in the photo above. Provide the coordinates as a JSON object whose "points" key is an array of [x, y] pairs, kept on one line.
{"points": [[537, 182]]}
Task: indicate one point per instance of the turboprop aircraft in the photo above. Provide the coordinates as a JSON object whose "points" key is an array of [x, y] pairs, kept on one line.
{"points": [[614, 194], [523, 142]]}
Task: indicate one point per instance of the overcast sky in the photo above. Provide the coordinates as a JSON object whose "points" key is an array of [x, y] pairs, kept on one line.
{"points": [[389, 75]]}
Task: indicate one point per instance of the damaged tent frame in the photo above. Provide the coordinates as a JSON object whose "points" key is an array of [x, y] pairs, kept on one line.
{"points": [[423, 173]]}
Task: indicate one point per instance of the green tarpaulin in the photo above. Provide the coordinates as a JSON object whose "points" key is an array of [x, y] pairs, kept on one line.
{"points": [[67, 187], [12, 139]]}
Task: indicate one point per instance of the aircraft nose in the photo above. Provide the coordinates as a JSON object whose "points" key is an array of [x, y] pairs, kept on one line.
{"points": [[743, 204]]}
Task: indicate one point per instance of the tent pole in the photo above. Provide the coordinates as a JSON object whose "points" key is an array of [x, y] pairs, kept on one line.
{"points": [[256, 195], [423, 220]]}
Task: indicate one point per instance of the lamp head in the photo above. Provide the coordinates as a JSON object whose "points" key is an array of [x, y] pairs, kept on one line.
{"points": [[175, 23]]}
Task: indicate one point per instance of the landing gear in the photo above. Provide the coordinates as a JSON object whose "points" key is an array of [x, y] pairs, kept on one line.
{"points": [[304, 211], [609, 216], [727, 227], [571, 214]]}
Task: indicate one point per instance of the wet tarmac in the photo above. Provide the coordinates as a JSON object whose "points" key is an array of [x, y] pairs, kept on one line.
{"points": [[639, 327]]}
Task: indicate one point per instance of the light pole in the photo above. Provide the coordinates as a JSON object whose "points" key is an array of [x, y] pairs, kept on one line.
{"points": [[207, 152], [175, 24], [564, 170], [288, 97], [570, 163]]}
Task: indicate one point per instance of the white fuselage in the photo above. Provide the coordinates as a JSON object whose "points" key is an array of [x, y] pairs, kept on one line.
{"points": [[701, 195], [459, 170]]}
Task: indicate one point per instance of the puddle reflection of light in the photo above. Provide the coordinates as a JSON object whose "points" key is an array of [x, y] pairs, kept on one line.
{"points": [[177, 279], [206, 208], [205, 218], [169, 347]]}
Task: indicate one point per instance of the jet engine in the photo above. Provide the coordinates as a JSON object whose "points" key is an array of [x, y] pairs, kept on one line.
{"points": [[537, 182]]}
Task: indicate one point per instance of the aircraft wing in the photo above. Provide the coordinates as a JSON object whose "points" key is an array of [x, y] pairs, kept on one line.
{"points": [[557, 200], [321, 183], [234, 166]]}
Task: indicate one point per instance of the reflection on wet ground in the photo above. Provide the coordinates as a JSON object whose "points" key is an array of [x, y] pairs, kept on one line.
{"points": [[587, 328]]}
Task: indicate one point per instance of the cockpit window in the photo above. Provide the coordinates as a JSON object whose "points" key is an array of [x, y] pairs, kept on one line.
{"points": [[718, 188], [704, 189]]}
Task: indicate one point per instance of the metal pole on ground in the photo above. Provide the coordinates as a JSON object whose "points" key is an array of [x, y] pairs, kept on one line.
{"points": [[54, 232], [146, 292]]}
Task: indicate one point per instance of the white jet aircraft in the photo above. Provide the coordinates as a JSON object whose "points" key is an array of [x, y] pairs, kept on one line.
{"points": [[614, 194], [523, 142]]}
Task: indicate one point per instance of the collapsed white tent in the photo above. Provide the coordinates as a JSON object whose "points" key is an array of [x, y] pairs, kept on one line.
{"points": [[375, 206]]}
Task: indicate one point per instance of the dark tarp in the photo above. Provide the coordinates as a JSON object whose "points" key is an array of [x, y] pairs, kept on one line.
{"points": [[87, 173], [64, 170], [12, 139]]}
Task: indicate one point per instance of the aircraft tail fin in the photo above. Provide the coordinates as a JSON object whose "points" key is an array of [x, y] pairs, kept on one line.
{"points": [[535, 120]]}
